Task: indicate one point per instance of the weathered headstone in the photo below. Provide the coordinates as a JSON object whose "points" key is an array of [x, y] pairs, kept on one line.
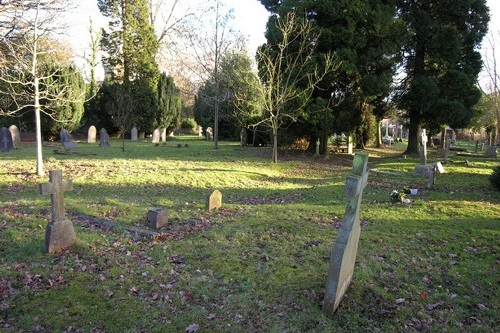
{"points": [[214, 200], [423, 147], [346, 246], [66, 139], [6, 142], [156, 137], [163, 135], [491, 152], [200, 132], [429, 171], [104, 138], [209, 133], [243, 137], [349, 144], [92, 134], [157, 218], [16, 135], [133, 134], [142, 135], [59, 233]]}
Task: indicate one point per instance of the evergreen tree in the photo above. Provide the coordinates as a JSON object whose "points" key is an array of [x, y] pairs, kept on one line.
{"points": [[169, 104], [130, 46], [441, 63]]}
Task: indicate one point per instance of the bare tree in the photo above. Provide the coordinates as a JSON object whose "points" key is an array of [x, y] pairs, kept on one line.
{"points": [[23, 28], [289, 74], [491, 87], [205, 48]]}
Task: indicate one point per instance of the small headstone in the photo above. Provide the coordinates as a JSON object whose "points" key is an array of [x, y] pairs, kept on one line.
{"points": [[142, 135], [349, 144], [157, 218], [104, 138], [16, 135], [66, 139], [92, 133], [346, 246], [214, 200], [447, 148], [6, 142], [156, 137], [59, 233], [133, 134], [200, 132], [491, 152]]}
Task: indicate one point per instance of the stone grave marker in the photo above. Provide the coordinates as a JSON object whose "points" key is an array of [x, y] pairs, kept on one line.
{"points": [[16, 135], [142, 135], [163, 135], [92, 133], [6, 142], [491, 152], [66, 140], [104, 138], [157, 218], [59, 233], [429, 171], [209, 133], [447, 148], [156, 137], [214, 200], [346, 246], [423, 147], [133, 134], [200, 132]]}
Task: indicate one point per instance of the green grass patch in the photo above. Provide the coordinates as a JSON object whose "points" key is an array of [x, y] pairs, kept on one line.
{"points": [[261, 265]]}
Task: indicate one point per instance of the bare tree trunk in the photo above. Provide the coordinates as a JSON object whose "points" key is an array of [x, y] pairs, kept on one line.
{"points": [[275, 145]]}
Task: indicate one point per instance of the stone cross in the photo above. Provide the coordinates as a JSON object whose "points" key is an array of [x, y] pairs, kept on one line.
{"points": [[346, 246], [423, 147], [59, 233]]}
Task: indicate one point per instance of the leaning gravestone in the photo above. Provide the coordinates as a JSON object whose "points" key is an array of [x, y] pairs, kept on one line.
{"points": [[16, 135], [491, 152], [133, 134], [6, 142], [91, 137], [104, 138], [66, 140], [59, 233], [156, 137], [214, 200], [346, 246]]}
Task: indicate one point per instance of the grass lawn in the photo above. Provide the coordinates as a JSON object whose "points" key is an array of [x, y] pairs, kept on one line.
{"points": [[260, 263]]}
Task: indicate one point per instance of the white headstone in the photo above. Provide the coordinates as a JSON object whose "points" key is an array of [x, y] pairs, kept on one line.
{"points": [[92, 134], [16, 135], [156, 136]]}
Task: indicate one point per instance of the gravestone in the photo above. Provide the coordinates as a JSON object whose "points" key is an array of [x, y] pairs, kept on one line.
{"points": [[429, 171], [200, 132], [66, 139], [156, 137], [92, 133], [16, 135], [423, 147], [6, 142], [59, 233], [104, 138], [133, 134], [243, 137], [157, 218], [209, 133], [142, 135], [163, 135], [491, 152], [346, 246], [349, 144], [214, 200]]}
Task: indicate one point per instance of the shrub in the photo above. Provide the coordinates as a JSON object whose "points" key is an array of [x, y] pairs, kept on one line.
{"points": [[188, 123], [495, 178]]}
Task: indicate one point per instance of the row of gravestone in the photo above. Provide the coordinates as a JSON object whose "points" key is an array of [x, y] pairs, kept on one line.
{"points": [[9, 138]]}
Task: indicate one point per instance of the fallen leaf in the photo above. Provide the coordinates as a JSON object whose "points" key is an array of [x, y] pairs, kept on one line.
{"points": [[424, 295], [192, 328]]}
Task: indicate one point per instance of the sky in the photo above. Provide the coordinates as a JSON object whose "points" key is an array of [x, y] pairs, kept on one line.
{"points": [[250, 18]]}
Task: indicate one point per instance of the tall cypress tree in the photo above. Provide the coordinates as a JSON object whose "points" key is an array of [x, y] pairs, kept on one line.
{"points": [[169, 104], [131, 46], [442, 63]]}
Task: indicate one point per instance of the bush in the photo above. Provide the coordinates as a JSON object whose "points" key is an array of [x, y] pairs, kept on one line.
{"points": [[495, 178], [189, 124]]}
